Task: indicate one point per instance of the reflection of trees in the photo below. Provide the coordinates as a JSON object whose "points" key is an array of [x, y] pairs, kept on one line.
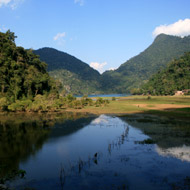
{"points": [[23, 135], [18, 141], [167, 133]]}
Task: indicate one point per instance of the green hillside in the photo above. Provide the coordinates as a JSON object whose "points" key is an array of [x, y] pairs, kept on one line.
{"points": [[22, 74], [75, 84], [176, 76], [136, 71], [76, 76]]}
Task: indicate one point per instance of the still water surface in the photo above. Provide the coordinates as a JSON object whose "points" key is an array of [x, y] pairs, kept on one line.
{"points": [[105, 95], [98, 152]]}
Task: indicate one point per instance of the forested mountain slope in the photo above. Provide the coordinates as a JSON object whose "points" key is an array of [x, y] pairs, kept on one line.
{"points": [[79, 78], [76, 76], [176, 76], [140, 68]]}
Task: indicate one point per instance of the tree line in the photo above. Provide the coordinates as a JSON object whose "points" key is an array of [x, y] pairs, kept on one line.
{"points": [[175, 77]]}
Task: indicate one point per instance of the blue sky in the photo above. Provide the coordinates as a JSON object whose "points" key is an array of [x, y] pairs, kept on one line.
{"points": [[103, 33]]}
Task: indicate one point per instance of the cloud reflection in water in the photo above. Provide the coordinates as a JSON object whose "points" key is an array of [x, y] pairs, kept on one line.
{"points": [[182, 153]]}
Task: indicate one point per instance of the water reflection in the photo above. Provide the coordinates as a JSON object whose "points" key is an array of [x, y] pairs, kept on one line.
{"points": [[182, 153], [17, 142], [166, 132], [171, 136], [24, 135], [81, 152], [100, 120]]}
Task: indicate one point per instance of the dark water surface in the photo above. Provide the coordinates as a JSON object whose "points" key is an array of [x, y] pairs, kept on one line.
{"points": [[82, 152]]}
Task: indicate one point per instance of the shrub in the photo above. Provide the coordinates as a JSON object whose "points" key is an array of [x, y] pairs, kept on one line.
{"points": [[101, 101], [86, 101], [113, 98], [20, 105], [70, 97], [3, 104], [77, 104]]}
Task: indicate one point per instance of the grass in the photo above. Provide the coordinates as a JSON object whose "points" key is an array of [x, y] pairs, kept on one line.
{"points": [[158, 105], [170, 106]]}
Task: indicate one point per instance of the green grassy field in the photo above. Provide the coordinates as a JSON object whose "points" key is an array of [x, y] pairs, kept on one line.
{"points": [[159, 105]]}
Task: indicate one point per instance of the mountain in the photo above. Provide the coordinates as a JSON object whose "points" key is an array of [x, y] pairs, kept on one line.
{"points": [[136, 71], [176, 76], [76, 76]]}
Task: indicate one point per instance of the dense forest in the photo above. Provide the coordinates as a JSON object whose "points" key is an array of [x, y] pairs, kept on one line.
{"points": [[136, 71], [76, 76], [176, 76], [75, 84], [22, 74]]}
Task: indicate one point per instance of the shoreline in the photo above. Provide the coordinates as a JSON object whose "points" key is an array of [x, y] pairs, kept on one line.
{"points": [[169, 106]]}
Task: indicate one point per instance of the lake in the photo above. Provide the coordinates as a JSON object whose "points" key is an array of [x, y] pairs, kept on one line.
{"points": [[105, 95], [87, 152]]}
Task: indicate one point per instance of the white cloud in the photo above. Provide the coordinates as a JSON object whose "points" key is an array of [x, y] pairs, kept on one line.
{"points": [[98, 66], [100, 120], [179, 28], [112, 69], [13, 4], [59, 36], [4, 2], [80, 2]]}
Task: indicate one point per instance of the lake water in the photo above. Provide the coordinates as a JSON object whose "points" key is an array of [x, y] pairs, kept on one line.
{"points": [[105, 95], [86, 152]]}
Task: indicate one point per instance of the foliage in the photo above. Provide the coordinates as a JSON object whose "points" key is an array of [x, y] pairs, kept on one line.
{"points": [[74, 82], [175, 77], [136, 71], [100, 101], [50, 103], [3, 104], [86, 101], [113, 98], [22, 74], [19, 105], [136, 91]]}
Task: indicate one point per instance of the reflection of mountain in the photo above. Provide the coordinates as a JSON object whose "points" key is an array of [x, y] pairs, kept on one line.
{"points": [[24, 135], [182, 153], [167, 133]]}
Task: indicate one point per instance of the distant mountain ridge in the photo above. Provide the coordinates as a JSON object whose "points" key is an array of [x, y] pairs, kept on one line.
{"points": [[57, 60], [76, 76], [79, 78], [137, 70]]}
